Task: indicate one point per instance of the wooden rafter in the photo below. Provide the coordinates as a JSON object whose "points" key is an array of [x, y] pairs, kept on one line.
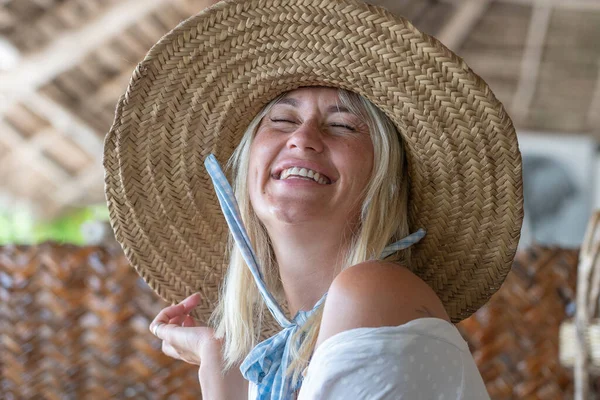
{"points": [[594, 111], [86, 180], [66, 123], [530, 63], [456, 30], [581, 5], [28, 153], [69, 49]]}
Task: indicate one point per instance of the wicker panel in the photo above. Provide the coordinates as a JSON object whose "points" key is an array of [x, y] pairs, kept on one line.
{"points": [[74, 325], [514, 338]]}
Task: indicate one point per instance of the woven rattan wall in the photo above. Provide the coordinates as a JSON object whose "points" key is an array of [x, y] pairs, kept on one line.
{"points": [[73, 325], [514, 337]]}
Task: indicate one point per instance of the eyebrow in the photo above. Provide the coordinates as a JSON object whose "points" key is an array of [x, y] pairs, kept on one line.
{"points": [[331, 109]]}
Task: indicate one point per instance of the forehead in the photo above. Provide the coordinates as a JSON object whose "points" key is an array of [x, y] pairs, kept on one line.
{"points": [[311, 95], [326, 99]]}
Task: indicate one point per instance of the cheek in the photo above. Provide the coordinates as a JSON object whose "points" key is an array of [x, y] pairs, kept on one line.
{"points": [[252, 162], [363, 156], [262, 148], [254, 170], [259, 166], [254, 188]]}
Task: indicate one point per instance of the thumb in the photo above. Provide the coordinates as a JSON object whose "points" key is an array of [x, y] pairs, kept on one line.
{"points": [[165, 331], [157, 330]]}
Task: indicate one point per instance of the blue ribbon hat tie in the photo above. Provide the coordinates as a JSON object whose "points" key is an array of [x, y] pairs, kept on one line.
{"points": [[267, 362]]}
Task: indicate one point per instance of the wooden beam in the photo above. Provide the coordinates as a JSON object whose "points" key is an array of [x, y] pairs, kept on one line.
{"points": [[530, 63], [69, 49], [579, 5], [456, 30], [28, 154], [594, 111], [88, 179], [9, 54], [66, 123]]}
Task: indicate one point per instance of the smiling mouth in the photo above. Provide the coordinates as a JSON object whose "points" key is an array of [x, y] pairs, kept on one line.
{"points": [[304, 173]]}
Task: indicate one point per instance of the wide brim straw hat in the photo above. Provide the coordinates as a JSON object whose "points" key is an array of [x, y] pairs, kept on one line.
{"points": [[199, 87]]}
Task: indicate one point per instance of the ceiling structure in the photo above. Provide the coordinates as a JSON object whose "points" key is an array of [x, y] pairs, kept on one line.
{"points": [[64, 64]]}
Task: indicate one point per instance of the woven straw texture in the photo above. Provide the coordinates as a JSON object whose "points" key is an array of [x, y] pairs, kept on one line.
{"points": [[514, 338], [199, 87], [74, 325]]}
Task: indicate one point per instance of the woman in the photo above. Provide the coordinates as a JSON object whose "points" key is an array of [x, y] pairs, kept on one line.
{"points": [[379, 329]]}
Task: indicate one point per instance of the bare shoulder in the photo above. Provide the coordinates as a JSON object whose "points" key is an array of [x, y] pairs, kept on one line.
{"points": [[375, 294]]}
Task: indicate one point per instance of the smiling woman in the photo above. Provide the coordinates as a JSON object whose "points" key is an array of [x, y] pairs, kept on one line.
{"points": [[305, 233], [334, 163]]}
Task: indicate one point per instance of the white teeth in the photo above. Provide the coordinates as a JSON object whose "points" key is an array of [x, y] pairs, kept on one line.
{"points": [[303, 172]]}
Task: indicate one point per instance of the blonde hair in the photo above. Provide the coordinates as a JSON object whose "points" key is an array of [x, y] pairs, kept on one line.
{"points": [[240, 312]]}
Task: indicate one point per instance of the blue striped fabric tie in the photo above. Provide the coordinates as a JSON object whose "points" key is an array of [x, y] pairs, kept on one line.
{"points": [[267, 362]]}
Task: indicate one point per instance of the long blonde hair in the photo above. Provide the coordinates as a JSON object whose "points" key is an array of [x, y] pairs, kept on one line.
{"points": [[240, 312]]}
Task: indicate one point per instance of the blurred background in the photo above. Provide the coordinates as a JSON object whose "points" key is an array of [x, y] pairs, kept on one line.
{"points": [[63, 66]]}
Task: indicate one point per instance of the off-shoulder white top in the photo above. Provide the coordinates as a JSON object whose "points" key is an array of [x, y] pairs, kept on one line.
{"points": [[425, 359]]}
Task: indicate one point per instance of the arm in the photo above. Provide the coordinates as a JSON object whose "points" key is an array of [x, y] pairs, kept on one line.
{"points": [[215, 385]]}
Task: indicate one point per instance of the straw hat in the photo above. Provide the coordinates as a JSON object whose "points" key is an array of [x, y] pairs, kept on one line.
{"points": [[198, 88]]}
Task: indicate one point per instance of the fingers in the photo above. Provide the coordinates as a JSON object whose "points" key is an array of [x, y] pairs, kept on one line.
{"points": [[177, 342], [184, 343], [177, 312], [165, 331], [177, 320], [191, 301], [183, 320]]}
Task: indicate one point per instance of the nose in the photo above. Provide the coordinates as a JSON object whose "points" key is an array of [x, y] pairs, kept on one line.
{"points": [[308, 136]]}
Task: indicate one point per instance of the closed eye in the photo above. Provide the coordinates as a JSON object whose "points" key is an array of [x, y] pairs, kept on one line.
{"points": [[350, 128], [282, 120], [335, 125]]}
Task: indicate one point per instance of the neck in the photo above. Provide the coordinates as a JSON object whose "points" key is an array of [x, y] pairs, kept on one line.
{"points": [[309, 256]]}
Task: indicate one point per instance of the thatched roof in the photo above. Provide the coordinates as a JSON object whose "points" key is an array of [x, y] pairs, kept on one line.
{"points": [[64, 63]]}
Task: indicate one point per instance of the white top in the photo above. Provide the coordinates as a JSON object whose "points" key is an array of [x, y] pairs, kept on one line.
{"points": [[426, 358]]}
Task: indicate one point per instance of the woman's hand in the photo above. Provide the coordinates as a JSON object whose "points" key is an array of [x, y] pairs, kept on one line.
{"points": [[181, 336], [183, 339]]}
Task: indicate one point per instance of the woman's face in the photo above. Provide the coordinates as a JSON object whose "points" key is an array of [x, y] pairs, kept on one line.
{"points": [[310, 158]]}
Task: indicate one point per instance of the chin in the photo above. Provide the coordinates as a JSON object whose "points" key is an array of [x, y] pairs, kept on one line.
{"points": [[293, 215], [297, 216]]}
